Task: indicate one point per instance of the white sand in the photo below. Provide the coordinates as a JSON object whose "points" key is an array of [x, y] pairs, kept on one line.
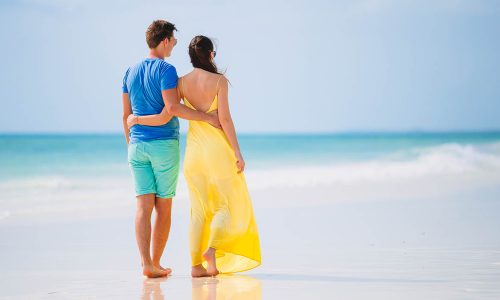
{"points": [[394, 240]]}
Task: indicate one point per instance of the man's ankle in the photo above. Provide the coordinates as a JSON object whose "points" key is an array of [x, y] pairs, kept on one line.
{"points": [[147, 264]]}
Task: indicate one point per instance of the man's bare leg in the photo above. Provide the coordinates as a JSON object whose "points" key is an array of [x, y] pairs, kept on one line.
{"points": [[161, 229], [145, 204]]}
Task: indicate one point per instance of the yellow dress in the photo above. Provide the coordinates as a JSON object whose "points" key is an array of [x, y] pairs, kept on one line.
{"points": [[221, 209]]}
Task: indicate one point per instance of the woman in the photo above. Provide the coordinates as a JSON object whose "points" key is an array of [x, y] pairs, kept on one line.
{"points": [[223, 232]]}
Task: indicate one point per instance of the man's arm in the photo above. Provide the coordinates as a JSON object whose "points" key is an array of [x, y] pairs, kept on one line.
{"points": [[173, 107], [127, 110]]}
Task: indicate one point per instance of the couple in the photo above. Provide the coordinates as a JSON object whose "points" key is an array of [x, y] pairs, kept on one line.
{"points": [[223, 233]]}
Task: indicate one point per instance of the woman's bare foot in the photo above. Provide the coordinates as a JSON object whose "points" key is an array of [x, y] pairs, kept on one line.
{"points": [[198, 271], [154, 272], [209, 255]]}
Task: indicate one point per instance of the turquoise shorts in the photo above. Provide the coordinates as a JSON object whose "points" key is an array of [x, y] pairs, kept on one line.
{"points": [[155, 167]]}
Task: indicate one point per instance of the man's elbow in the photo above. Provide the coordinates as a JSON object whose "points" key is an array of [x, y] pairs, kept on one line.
{"points": [[172, 109]]}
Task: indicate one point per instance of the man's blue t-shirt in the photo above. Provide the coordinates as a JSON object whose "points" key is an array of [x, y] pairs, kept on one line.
{"points": [[144, 83]]}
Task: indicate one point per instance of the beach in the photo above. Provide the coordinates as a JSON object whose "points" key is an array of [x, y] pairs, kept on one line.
{"points": [[351, 216]]}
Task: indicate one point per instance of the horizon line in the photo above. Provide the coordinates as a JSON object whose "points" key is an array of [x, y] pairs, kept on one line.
{"points": [[339, 132]]}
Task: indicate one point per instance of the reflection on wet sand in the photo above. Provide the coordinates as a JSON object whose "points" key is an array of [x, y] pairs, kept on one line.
{"points": [[151, 289], [221, 287], [226, 287]]}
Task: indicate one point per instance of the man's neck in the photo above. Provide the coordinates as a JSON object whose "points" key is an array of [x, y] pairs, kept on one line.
{"points": [[153, 54]]}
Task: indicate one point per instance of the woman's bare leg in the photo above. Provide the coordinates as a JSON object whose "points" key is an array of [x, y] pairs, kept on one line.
{"points": [[209, 255], [198, 271]]}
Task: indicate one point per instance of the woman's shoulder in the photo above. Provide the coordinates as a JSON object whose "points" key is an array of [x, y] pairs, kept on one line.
{"points": [[222, 80], [185, 75], [205, 78], [212, 78]]}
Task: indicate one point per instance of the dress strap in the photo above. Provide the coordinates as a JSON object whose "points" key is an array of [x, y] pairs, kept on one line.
{"points": [[181, 89], [217, 87]]}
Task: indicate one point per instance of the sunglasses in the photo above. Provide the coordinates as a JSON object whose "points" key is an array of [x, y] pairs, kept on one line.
{"points": [[215, 53], [172, 39]]}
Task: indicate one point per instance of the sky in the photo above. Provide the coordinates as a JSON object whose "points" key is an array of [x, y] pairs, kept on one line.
{"points": [[295, 66]]}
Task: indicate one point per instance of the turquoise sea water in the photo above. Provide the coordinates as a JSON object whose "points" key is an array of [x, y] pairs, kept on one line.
{"points": [[105, 154]]}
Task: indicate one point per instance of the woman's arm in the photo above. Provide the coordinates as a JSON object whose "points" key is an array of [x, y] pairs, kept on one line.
{"points": [[227, 124], [150, 120]]}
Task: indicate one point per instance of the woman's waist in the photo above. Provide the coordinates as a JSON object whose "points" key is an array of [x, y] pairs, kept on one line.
{"points": [[206, 140], [203, 129]]}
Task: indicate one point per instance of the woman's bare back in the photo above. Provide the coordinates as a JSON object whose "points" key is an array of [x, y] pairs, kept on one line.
{"points": [[199, 87]]}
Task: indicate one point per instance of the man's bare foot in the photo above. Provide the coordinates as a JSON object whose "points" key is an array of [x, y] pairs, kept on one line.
{"points": [[162, 268], [154, 272], [209, 255], [198, 271]]}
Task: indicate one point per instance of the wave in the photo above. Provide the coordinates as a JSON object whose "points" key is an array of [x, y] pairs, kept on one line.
{"points": [[482, 161], [445, 159], [460, 164]]}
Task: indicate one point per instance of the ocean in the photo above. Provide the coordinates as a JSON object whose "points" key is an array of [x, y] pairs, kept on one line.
{"points": [[61, 173]]}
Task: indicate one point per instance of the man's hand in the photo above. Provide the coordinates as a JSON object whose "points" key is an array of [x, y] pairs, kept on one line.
{"points": [[213, 119], [131, 120]]}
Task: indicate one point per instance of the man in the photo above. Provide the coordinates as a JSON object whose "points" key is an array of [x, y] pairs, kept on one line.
{"points": [[150, 87]]}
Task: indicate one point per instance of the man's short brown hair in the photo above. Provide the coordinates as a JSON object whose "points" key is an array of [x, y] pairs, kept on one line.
{"points": [[158, 31]]}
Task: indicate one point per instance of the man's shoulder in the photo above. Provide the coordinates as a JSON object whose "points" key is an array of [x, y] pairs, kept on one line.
{"points": [[134, 66], [165, 65], [138, 64], [156, 66]]}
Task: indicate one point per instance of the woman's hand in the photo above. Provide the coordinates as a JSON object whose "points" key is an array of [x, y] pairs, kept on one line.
{"points": [[240, 162], [132, 120]]}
